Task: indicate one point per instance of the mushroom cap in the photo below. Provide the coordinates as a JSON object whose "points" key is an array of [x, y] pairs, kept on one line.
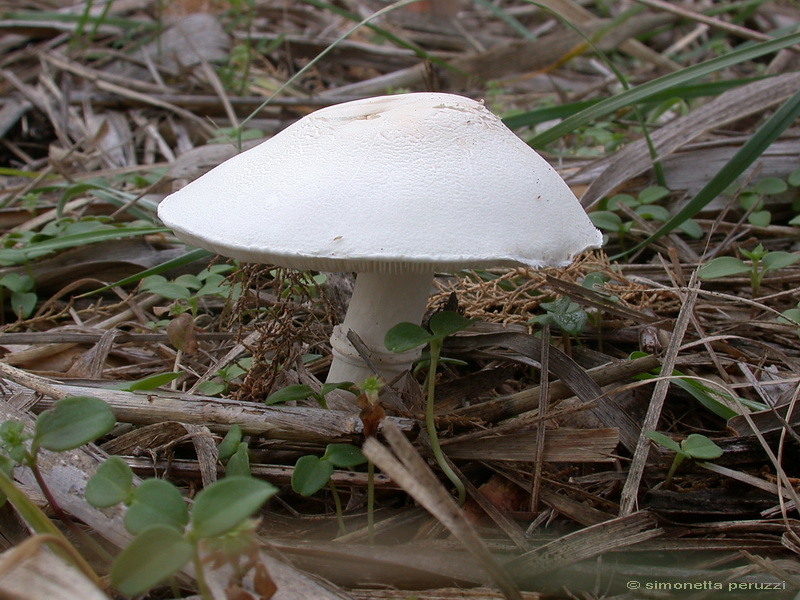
{"points": [[414, 182]]}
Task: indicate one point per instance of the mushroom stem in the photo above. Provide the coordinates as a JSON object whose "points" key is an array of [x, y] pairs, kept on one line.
{"points": [[380, 301]]}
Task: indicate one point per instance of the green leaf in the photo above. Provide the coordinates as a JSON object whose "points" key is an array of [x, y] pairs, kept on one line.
{"points": [[150, 558], [653, 194], [706, 397], [147, 384], [156, 502], [790, 317], [760, 218], [111, 484], [23, 304], [616, 200], [722, 266], [770, 186], [223, 505], [571, 323], [774, 261], [691, 228], [191, 282], [406, 336], [169, 290], [344, 455], [448, 322], [606, 220], [794, 178], [211, 388], [664, 440], [239, 463], [16, 282], [329, 387], [653, 212], [72, 422], [230, 443], [700, 447], [311, 474], [290, 393]]}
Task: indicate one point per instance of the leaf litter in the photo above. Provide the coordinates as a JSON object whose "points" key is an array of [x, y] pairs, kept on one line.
{"points": [[105, 111]]}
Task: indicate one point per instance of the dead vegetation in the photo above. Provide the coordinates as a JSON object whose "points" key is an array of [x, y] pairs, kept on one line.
{"points": [[104, 112]]}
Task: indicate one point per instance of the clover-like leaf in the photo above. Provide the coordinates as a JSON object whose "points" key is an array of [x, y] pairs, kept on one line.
{"points": [[311, 474], [722, 266], [155, 554], [111, 484], [406, 336], [225, 504], [344, 455], [447, 322], [72, 422], [156, 502], [700, 447]]}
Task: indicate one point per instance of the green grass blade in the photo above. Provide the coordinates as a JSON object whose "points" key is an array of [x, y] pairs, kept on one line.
{"points": [[685, 92], [79, 239], [739, 162], [661, 84]]}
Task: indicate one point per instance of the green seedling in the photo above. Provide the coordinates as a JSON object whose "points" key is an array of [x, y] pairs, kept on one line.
{"points": [[169, 532], [186, 290], [22, 298], [312, 473], [568, 316], [407, 336], [69, 424], [695, 446], [223, 378], [608, 219], [302, 391], [760, 263], [236, 452]]}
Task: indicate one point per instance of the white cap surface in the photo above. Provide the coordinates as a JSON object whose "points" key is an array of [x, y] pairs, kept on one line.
{"points": [[413, 182]]}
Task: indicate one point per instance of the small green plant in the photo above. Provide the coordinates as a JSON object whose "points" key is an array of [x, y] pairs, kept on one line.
{"points": [[69, 424], [311, 473], [187, 289], [752, 200], [407, 336], [303, 391], [570, 318], [695, 446], [168, 532], [22, 299], [223, 378], [645, 206], [761, 262], [236, 452]]}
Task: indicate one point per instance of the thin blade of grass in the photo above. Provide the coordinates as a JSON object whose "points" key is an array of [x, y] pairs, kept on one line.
{"points": [[562, 111], [666, 82]]}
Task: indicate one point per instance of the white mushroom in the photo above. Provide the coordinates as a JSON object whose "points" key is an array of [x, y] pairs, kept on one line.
{"points": [[393, 188]]}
